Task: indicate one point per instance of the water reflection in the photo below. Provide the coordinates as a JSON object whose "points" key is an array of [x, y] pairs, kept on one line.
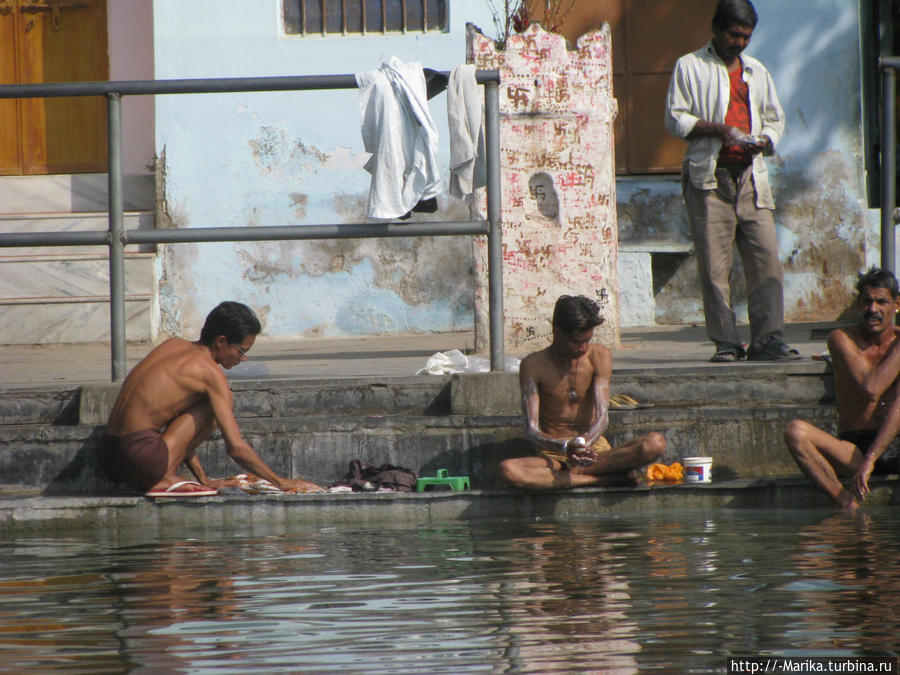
{"points": [[850, 593], [667, 592]]}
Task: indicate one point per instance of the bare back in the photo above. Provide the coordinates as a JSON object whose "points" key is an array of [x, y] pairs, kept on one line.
{"points": [[855, 357], [169, 380], [567, 400]]}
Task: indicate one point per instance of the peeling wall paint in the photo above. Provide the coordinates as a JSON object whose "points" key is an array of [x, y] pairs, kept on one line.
{"points": [[294, 158]]}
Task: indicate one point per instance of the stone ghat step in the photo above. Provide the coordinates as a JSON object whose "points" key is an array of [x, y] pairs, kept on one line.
{"points": [[23, 516], [777, 383], [471, 394], [743, 441]]}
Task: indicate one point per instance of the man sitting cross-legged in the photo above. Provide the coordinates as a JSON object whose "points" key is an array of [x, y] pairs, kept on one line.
{"points": [[565, 399]]}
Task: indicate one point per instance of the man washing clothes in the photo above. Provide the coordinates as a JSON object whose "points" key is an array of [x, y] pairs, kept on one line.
{"points": [[171, 402]]}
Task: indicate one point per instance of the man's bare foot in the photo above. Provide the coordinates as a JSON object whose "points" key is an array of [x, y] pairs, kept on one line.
{"points": [[848, 503], [621, 479]]}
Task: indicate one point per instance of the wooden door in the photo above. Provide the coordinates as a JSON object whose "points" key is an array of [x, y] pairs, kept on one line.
{"points": [[53, 41]]}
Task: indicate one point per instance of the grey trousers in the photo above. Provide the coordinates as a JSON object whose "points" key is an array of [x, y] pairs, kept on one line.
{"points": [[719, 219]]}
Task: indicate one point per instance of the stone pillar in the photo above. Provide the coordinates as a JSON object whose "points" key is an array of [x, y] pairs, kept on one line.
{"points": [[558, 183]]}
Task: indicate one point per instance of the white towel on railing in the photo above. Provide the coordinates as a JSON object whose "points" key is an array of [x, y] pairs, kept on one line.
{"points": [[398, 130], [465, 117]]}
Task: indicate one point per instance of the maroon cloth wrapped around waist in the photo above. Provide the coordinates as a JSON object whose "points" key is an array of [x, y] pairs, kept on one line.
{"points": [[139, 459]]}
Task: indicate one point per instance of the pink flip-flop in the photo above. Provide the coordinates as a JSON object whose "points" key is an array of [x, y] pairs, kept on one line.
{"points": [[173, 491]]}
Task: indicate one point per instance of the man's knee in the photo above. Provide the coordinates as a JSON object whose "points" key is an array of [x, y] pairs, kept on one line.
{"points": [[653, 446], [796, 435], [508, 472]]}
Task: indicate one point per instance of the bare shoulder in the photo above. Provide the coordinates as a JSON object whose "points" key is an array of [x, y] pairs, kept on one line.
{"points": [[534, 364], [844, 340], [188, 363], [601, 359]]}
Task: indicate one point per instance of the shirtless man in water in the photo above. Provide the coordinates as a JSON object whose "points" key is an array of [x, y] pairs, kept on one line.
{"points": [[866, 360], [171, 402], [565, 399]]}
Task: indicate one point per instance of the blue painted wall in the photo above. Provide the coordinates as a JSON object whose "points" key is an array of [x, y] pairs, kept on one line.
{"points": [[294, 158]]}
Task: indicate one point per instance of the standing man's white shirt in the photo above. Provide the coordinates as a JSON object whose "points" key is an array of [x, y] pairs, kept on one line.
{"points": [[699, 90]]}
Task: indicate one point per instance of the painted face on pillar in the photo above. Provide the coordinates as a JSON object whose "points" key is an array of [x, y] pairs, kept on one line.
{"points": [[730, 42], [878, 309], [573, 346]]}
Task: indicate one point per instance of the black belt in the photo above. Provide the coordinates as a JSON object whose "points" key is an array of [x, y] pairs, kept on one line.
{"points": [[736, 170]]}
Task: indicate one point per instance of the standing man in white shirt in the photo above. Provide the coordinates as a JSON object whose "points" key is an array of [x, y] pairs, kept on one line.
{"points": [[724, 104]]}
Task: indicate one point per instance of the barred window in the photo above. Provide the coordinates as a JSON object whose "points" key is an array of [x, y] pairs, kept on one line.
{"points": [[360, 17]]}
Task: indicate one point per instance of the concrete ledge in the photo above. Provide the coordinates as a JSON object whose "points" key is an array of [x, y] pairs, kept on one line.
{"points": [[798, 383], [31, 515], [272, 397], [743, 442]]}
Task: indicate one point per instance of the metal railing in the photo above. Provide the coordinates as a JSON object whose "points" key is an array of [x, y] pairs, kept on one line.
{"points": [[117, 237], [889, 65]]}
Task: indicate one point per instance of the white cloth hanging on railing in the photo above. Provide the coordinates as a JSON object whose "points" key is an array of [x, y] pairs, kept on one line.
{"points": [[465, 117], [398, 130]]}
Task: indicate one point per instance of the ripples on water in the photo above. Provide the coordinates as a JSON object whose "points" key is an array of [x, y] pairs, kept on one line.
{"points": [[673, 592]]}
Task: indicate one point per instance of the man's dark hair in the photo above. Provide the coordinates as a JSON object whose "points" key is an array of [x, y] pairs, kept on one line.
{"points": [[878, 278], [575, 313], [731, 12], [234, 320]]}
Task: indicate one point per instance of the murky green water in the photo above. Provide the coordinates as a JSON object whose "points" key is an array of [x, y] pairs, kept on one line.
{"points": [[673, 592]]}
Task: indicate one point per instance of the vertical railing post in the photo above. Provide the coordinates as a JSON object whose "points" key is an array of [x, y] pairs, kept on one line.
{"points": [[888, 166], [116, 237], [495, 237]]}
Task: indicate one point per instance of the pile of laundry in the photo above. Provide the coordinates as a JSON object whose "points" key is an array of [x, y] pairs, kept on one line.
{"points": [[360, 477], [400, 134]]}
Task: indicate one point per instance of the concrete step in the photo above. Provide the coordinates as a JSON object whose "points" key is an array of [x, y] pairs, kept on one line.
{"points": [[91, 404], [60, 278], [279, 398], [60, 294], [73, 192], [35, 321], [743, 441], [24, 513], [799, 382]]}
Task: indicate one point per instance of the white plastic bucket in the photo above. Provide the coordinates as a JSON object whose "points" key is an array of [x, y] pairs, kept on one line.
{"points": [[697, 469]]}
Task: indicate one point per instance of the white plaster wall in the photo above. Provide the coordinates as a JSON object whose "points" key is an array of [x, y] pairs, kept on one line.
{"points": [[131, 58], [293, 158]]}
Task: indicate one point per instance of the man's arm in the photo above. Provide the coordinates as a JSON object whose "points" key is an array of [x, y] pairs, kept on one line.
{"points": [[771, 114], [680, 119], [531, 407], [870, 382], [601, 358], [222, 402], [859, 484]]}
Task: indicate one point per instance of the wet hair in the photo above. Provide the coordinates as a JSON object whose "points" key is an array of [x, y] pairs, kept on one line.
{"points": [[575, 313], [234, 320], [732, 12], [878, 278]]}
